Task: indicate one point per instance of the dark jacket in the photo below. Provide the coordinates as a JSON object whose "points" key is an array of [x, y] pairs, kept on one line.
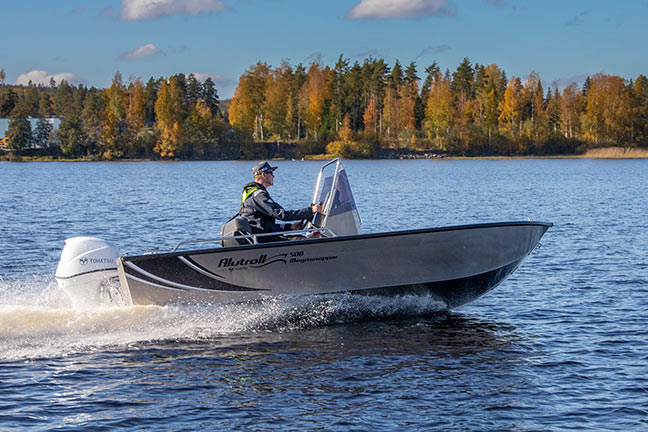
{"points": [[261, 211]]}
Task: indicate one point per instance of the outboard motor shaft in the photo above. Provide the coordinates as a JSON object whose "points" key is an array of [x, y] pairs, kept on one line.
{"points": [[87, 272]]}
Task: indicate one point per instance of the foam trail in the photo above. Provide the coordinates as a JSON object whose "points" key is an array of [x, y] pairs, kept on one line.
{"points": [[38, 320]]}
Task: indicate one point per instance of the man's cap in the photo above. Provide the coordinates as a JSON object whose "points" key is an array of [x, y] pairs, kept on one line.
{"points": [[262, 167]]}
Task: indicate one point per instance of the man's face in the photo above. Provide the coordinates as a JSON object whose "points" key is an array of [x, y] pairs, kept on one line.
{"points": [[268, 176]]}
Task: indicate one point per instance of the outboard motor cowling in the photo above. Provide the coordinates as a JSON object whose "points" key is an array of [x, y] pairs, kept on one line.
{"points": [[87, 271]]}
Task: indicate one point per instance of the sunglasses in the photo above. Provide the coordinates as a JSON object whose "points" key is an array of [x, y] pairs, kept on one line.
{"points": [[269, 172]]}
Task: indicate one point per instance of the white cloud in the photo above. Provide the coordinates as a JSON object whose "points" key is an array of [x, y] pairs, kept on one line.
{"points": [[380, 9], [42, 77], [218, 79], [143, 51], [133, 10]]}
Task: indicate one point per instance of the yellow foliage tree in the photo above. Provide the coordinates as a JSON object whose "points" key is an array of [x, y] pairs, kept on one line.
{"points": [[277, 104], [246, 112], [135, 106], [440, 109], [315, 92], [370, 117], [571, 107], [345, 132], [510, 109], [609, 109], [168, 111]]}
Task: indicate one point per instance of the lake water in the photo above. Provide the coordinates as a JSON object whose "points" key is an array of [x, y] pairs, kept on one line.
{"points": [[562, 345]]}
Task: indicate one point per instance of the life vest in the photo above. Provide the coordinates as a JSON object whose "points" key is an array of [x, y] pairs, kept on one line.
{"points": [[248, 190]]}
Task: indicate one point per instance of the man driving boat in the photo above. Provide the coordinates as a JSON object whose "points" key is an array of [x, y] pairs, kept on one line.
{"points": [[261, 211]]}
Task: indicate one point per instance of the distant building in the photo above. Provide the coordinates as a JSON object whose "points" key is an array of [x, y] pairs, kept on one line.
{"points": [[33, 121]]}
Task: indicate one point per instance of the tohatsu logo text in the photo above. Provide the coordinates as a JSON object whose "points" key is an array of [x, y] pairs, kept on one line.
{"points": [[84, 261], [261, 261]]}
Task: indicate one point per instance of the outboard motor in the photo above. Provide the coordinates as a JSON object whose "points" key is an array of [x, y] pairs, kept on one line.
{"points": [[87, 272]]}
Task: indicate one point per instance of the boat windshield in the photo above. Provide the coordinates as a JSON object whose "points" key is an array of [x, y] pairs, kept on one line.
{"points": [[343, 199]]}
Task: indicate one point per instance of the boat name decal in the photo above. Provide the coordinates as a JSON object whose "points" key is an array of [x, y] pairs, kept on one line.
{"points": [[264, 260], [261, 261]]}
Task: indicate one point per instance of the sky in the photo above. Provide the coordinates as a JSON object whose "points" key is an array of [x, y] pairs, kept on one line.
{"points": [[87, 41]]}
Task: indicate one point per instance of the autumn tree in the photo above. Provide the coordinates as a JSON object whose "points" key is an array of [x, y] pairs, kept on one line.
{"points": [[440, 109], [370, 118], [510, 109], [640, 111], [114, 102], [276, 105], [608, 109], [314, 97], [409, 95], [571, 108], [169, 114], [136, 105], [246, 112], [533, 105]]}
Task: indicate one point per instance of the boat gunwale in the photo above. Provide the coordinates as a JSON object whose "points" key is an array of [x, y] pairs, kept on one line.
{"points": [[292, 243]]}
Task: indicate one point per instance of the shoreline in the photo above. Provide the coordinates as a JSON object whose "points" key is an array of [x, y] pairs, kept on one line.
{"points": [[387, 154]]}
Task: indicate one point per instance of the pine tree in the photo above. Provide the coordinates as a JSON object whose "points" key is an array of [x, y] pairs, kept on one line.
{"points": [[73, 140], [338, 92], [91, 121], [43, 134], [45, 106], [19, 134], [64, 100], [150, 96], [209, 96], [8, 101], [194, 90]]}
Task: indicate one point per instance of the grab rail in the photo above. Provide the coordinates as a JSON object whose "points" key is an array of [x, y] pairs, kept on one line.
{"points": [[254, 236], [319, 176]]}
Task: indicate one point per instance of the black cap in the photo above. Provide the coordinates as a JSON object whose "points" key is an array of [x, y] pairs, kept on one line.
{"points": [[262, 167]]}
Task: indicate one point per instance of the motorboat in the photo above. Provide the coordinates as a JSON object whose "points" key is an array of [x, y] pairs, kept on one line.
{"points": [[453, 264]]}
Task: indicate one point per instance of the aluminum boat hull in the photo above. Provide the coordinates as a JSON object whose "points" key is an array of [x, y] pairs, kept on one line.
{"points": [[456, 265]]}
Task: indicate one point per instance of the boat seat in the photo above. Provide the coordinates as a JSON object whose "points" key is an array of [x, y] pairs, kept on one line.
{"points": [[234, 227]]}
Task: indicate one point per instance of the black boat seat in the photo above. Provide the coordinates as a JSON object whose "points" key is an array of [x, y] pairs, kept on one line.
{"points": [[235, 227]]}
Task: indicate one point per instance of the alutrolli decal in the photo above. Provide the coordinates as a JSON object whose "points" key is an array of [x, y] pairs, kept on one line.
{"points": [[296, 257], [261, 261]]}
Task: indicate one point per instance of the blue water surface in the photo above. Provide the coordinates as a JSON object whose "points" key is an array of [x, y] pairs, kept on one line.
{"points": [[560, 346]]}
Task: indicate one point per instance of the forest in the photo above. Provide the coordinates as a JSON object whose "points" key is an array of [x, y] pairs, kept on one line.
{"points": [[350, 110]]}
